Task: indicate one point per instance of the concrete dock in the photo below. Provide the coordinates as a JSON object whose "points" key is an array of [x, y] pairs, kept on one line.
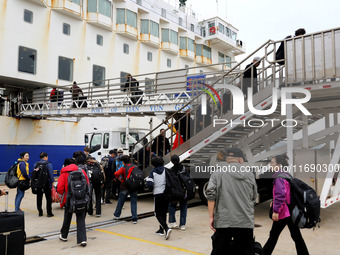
{"points": [[124, 238]]}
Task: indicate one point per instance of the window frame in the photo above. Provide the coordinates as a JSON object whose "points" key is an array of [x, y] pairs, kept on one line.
{"points": [[25, 58], [68, 29], [126, 48], [71, 71], [98, 82], [30, 17]]}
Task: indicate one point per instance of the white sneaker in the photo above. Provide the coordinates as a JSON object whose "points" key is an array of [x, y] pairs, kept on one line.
{"points": [[62, 238], [83, 243], [172, 225], [182, 227], [168, 233]]}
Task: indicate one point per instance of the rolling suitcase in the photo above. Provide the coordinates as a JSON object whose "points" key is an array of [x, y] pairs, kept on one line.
{"points": [[12, 232]]}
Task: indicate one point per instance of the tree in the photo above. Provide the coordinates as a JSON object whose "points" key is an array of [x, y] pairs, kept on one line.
{"points": [[182, 3]]}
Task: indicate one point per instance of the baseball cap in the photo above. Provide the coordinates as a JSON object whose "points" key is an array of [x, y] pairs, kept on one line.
{"points": [[120, 150], [256, 58], [234, 152]]}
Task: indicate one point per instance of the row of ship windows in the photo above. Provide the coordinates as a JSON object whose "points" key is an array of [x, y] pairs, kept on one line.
{"points": [[28, 60], [147, 27]]}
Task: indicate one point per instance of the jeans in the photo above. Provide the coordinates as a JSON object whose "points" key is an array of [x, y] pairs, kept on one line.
{"points": [[19, 196], [183, 204], [121, 200], [233, 241], [295, 233], [161, 207], [48, 197], [81, 231]]}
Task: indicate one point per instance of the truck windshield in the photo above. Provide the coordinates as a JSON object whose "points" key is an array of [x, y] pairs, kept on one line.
{"points": [[123, 137], [96, 142]]}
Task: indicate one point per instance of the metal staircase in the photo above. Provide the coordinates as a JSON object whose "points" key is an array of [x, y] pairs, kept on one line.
{"points": [[312, 62]]}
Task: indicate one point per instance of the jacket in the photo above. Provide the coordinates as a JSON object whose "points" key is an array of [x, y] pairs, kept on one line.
{"points": [[156, 180], [281, 195], [62, 187], [49, 171], [234, 192], [23, 170], [122, 172]]}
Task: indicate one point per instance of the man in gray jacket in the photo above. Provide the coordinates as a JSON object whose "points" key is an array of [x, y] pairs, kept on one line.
{"points": [[231, 197]]}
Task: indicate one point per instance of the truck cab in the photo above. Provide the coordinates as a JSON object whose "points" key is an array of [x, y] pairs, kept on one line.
{"points": [[101, 142]]}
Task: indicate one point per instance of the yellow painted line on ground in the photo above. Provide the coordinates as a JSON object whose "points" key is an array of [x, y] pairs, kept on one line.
{"points": [[149, 242]]}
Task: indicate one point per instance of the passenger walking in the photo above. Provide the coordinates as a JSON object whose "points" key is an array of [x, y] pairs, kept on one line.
{"points": [[97, 179], [183, 204], [76, 91], [250, 77], [281, 215], [161, 145], [22, 173], [156, 181], [109, 176], [280, 53], [116, 165], [132, 87], [231, 197], [122, 174], [63, 188], [47, 169]]}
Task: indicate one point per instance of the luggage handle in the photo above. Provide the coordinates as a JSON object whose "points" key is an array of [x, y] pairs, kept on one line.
{"points": [[6, 199]]}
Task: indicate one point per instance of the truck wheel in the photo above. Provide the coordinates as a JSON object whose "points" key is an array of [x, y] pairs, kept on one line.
{"points": [[202, 188]]}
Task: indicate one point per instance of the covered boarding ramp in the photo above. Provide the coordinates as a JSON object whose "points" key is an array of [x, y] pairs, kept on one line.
{"points": [[312, 67]]}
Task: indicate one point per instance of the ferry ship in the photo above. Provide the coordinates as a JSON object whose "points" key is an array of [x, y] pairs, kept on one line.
{"points": [[51, 43]]}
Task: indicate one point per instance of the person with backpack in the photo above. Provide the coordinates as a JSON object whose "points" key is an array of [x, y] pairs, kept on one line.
{"points": [[107, 164], [22, 174], [281, 215], [156, 181], [116, 165], [231, 198], [64, 187], [97, 179], [183, 203], [122, 175], [43, 171]]}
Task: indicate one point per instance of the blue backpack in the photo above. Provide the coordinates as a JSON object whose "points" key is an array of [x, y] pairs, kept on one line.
{"points": [[119, 163]]}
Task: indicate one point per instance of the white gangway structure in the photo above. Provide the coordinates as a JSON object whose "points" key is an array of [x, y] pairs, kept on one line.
{"points": [[312, 142]]}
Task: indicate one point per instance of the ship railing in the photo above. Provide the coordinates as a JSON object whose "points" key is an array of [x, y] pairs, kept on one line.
{"points": [[173, 86]]}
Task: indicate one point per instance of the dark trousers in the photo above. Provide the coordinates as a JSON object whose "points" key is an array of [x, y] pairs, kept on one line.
{"points": [[97, 189], [295, 233], [161, 208], [81, 231], [48, 197], [106, 191], [233, 241]]}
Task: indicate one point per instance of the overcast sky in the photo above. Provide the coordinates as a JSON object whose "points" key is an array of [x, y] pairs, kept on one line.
{"points": [[260, 20]]}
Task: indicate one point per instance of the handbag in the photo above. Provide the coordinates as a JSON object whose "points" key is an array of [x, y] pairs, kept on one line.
{"points": [[24, 185], [56, 198]]}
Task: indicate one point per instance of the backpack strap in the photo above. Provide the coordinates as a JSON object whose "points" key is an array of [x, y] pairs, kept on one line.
{"points": [[127, 169]]}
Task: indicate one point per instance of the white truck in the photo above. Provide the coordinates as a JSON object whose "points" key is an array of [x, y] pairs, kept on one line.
{"points": [[101, 142]]}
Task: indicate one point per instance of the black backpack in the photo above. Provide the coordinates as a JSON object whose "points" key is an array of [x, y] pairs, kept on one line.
{"points": [[78, 192], [11, 178], [304, 206], [105, 162], [173, 191], [39, 178], [134, 181], [95, 172], [189, 184]]}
